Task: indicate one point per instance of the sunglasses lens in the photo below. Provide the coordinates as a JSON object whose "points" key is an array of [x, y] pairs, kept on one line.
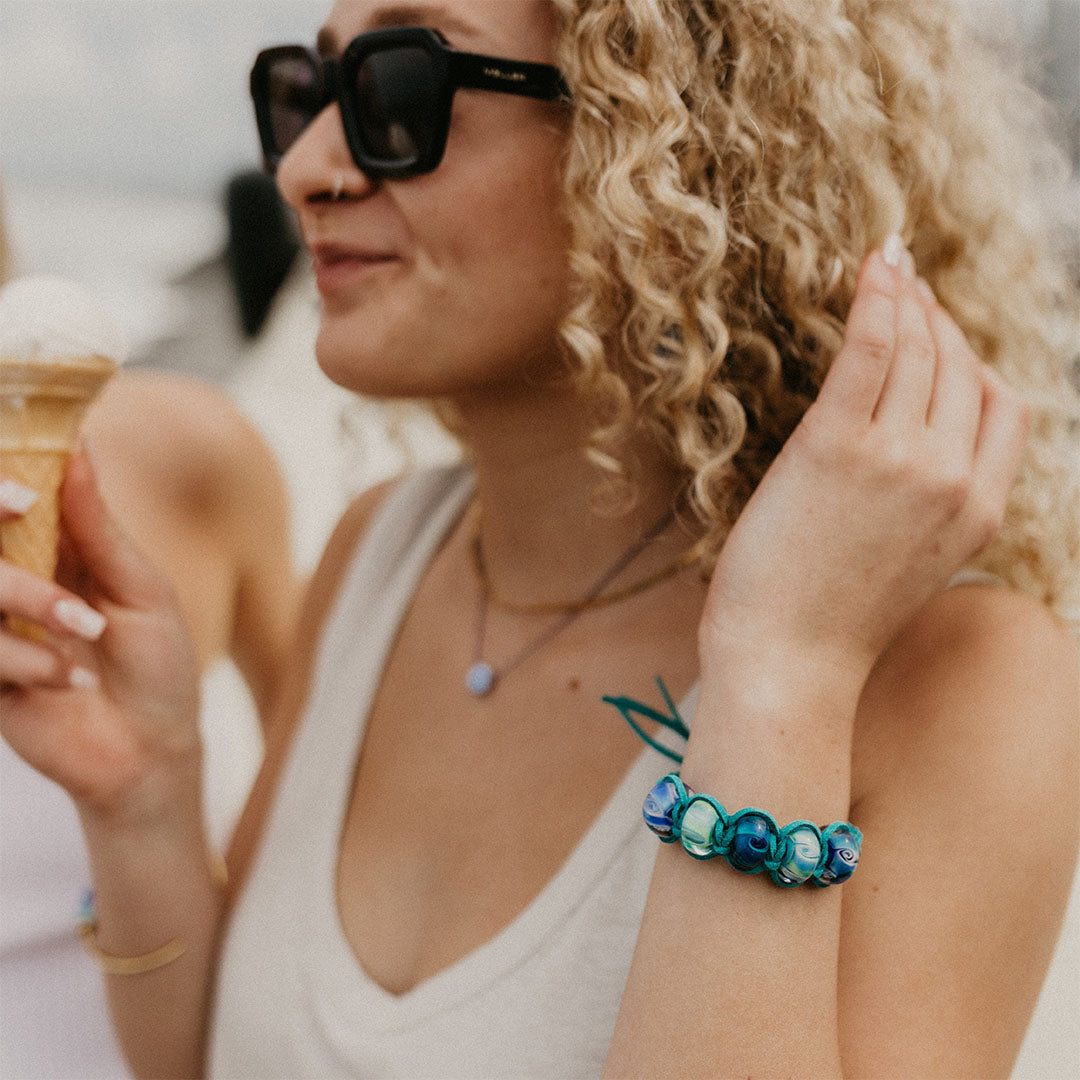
{"points": [[293, 98], [397, 103]]}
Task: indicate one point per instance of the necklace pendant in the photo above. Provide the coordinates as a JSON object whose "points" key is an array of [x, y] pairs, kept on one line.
{"points": [[480, 679]]}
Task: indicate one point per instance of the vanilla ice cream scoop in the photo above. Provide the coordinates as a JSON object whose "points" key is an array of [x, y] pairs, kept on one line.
{"points": [[47, 317], [58, 348]]}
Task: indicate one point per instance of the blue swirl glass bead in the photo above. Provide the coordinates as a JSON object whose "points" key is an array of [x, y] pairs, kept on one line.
{"points": [[749, 842], [842, 858], [801, 855], [698, 822], [658, 807]]}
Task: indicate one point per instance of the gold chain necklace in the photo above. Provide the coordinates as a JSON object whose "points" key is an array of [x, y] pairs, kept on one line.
{"points": [[482, 676], [589, 600]]}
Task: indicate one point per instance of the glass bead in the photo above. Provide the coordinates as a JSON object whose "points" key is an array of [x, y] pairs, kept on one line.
{"points": [[658, 807], [842, 858], [749, 842], [801, 855], [698, 823]]}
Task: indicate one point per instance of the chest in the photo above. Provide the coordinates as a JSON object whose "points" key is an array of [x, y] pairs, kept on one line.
{"points": [[462, 810]]}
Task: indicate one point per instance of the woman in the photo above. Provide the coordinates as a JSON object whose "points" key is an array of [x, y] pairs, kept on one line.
{"points": [[624, 302]]}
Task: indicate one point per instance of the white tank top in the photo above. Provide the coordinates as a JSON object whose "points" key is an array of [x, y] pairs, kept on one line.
{"points": [[537, 1000]]}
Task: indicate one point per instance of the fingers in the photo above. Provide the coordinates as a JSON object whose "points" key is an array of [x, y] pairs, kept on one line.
{"points": [[956, 403], [36, 600], [41, 661], [909, 381], [906, 372], [28, 602], [859, 371], [26, 663]]}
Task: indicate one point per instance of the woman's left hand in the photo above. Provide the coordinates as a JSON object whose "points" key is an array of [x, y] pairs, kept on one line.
{"points": [[895, 477]]}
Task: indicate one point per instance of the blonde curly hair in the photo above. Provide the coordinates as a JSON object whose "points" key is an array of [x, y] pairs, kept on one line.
{"points": [[731, 162]]}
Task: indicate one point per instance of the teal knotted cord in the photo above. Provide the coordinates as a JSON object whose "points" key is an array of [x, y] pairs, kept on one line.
{"points": [[674, 722]]}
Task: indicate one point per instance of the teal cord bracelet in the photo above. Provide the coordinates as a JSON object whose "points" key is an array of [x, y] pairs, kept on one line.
{"points": [[750, 840]]}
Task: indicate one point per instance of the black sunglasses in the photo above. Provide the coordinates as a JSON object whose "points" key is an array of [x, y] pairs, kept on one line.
{"points": [[395, 88]]}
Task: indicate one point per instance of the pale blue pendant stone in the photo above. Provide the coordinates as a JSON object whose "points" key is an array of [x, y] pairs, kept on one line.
{"points": [[801, 856], [480, 679], [698, 823]]}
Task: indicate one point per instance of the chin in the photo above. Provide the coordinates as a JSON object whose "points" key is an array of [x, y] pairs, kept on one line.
{"points": [[397, 359], [357, 363], [358, 372]]}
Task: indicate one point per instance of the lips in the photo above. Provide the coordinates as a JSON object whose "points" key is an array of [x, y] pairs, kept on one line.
{"points": [[337, 266]]}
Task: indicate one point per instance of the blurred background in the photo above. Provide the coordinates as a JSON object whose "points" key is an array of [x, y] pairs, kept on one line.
{"points": [[122, 124], [126, 136]]}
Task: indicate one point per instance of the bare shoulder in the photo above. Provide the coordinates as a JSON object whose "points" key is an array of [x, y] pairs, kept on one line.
{"points": [[178, 434], [966, 784], [158, 404], [982, 674], [318, 600]]}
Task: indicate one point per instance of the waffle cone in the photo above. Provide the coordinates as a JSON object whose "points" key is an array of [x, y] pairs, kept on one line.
{"points": [[41, 406]]}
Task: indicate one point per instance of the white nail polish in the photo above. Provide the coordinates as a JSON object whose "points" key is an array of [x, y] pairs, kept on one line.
{"points": [[892, 251], [79, 619], [81, 679], [16, 497]]}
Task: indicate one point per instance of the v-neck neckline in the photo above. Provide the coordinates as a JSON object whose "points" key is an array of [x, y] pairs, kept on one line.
{"points": [[331, 960]]}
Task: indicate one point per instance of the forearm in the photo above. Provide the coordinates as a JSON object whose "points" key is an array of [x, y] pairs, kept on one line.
{"points": [[153, 885], [733, 975]]}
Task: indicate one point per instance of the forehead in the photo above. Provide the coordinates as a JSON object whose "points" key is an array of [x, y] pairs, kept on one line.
{"points": [[520, 29]]}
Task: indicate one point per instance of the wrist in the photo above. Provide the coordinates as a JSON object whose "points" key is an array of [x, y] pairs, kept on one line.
{"points": [[804, 656], [772, 682], [775, 729], [153, 798]]}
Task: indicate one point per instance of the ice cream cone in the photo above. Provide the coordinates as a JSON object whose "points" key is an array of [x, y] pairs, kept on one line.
{"points": [[56, 353], [41, 407]]}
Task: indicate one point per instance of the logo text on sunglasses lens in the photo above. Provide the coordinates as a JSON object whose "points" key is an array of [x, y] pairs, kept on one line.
{"points": [[509, 76]]}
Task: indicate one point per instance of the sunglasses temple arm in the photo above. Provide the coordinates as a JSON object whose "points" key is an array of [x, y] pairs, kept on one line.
{"points": [[473, 72]]}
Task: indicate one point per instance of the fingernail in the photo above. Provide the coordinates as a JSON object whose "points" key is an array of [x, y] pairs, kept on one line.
{"points": [[892, 251], [15, 497], [925, 290], [79, 619], [81, 679]]}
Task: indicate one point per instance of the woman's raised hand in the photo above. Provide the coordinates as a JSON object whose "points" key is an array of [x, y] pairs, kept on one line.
{"points": [[106, 702], [896, 476]]}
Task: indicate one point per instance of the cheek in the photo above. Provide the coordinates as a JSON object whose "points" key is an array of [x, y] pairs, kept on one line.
{"points": [[481, 299], [512, 276]]}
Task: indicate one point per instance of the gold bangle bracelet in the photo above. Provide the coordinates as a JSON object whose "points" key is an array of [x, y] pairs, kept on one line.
{"points": [[128, 965]]}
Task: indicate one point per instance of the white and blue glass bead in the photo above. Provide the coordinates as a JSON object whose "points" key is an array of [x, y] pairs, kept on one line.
{"points": [[800, 856], [659, 807], [696, 831]]}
